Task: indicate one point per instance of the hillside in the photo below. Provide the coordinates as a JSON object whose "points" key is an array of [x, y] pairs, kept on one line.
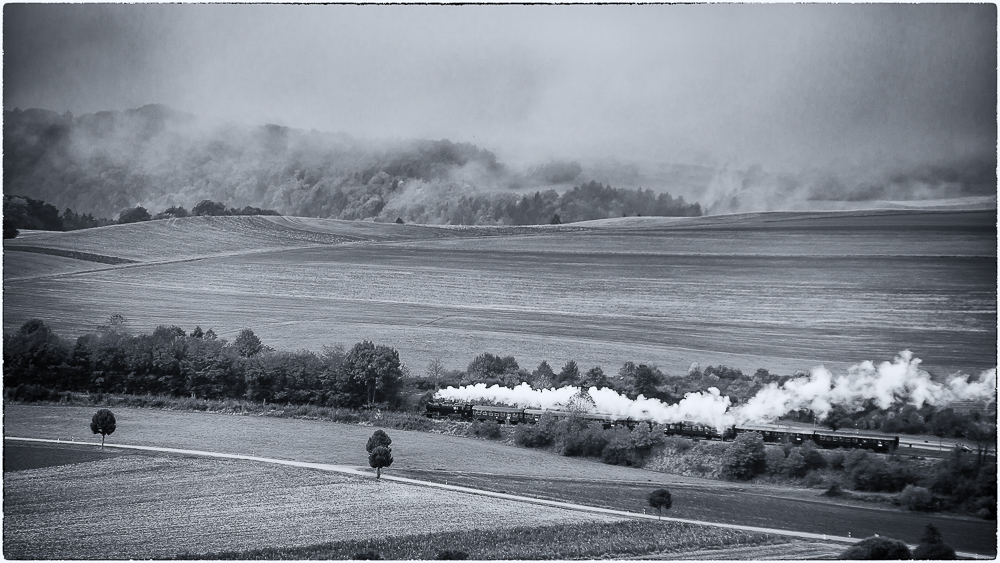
{"points": [[155, 157], [776, 291]]}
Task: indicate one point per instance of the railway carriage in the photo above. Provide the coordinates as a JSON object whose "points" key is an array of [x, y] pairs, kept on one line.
{"points": [[777, 434], [770, 433], [499, 414], [855, 439], [702, 431]]}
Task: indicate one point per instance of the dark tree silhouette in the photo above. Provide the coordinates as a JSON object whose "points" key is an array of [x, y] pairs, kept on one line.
{"points": [[134, 215], [932, 547], [103, 423], [877, 547], [379, 452], [660, 499], [9, 230], [247, 344]]}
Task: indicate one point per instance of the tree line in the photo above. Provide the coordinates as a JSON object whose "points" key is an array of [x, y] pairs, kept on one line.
{"points": [[199, 364]]}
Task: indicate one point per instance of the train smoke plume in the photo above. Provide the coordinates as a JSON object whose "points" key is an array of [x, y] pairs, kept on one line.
{"points": [[888, 384]]}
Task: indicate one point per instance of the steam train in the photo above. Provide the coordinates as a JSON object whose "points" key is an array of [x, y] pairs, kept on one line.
{"points": [[770, 433], [510, 415]]}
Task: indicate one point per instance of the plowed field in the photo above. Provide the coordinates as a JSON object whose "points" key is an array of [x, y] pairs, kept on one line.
{"points": [[779, 291]]}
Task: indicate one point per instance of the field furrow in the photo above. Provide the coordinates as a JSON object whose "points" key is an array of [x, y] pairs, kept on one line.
{"points": [[157, 507]]}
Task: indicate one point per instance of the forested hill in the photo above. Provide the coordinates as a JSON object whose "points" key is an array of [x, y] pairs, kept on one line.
{"points": [[156, 157]]}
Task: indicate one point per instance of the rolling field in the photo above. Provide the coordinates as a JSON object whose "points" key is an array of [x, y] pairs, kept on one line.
{"points": [[492, 466], [157, 507], [782, 291]]}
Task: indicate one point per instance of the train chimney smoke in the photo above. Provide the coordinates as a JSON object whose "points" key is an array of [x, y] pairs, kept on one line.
{"points": [[889, 384]]}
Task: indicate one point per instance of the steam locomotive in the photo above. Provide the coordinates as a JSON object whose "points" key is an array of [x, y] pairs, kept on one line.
{"points": [[770, 433]]}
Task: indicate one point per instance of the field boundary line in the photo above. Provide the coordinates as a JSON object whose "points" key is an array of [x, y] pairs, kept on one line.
{"points": [[554, 503]]}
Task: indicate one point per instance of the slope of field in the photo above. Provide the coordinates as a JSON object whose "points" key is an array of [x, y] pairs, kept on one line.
{"points": [[157, 507], [492, 466], [19, 265], [190, 237], [778, 291]]}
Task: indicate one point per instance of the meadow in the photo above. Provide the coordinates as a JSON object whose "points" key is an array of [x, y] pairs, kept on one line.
{"points": [[493, 466], [781, 291]]}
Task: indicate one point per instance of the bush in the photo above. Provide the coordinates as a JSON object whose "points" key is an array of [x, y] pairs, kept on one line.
{"points": [[678, 444], [812, 457], [794, 465], [874, 474], [916, 498], [451, 555], [877, 548], [536, 435], [618, 450], [366, 556], [835, 459], [589, 442], [774, 458], [487, 429], [745, 457]]}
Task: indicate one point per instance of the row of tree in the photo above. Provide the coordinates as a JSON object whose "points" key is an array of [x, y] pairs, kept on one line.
{"points": [[200, 365]]}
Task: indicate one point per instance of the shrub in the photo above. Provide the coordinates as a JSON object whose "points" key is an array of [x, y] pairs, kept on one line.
{"points": [[451, 555], [794, 465], [833, 491], [745, 457], [366, 556], [812, 457], [853, 457], [487, 429], [877, 548], [916, 498], [618, 450], [875, 475], [835, 459], [773, 460], [678, 444], [536, 435], [589, 441]]}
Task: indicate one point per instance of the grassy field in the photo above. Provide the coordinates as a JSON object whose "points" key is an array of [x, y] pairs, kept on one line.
{"points": [[141, 506], [779, 291], [492, 466]]}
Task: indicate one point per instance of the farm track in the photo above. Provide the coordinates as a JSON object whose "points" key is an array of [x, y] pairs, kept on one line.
{"points": [[490, 466]]}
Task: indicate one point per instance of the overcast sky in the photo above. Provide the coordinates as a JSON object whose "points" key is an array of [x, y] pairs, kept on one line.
{"points": [[787, 86]]}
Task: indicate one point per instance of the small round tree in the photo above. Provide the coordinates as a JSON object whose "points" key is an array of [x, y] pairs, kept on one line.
{"points": [[103, 423], [877, 548], [379, 452], [660, 500]]}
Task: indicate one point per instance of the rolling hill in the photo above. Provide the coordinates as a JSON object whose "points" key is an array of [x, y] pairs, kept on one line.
{"points": [[782, 291]]}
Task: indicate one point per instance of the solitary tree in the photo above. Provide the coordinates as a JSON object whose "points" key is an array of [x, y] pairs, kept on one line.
{"points": [[932, 546], [379, 452], [660, 500], [103, 423]]}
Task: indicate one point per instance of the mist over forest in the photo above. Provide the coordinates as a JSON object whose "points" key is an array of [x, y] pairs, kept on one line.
{"points": [[111, 161]]}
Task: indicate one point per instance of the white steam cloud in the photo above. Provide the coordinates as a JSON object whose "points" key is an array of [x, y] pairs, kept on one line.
{"points": [[888, 384]]}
